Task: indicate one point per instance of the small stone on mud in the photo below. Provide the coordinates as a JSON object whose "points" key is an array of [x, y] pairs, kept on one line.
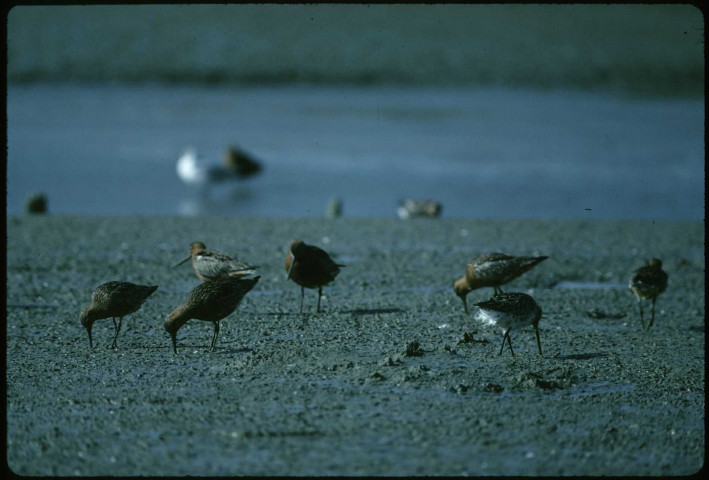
{"points": [[460, 388], [390, 362]]}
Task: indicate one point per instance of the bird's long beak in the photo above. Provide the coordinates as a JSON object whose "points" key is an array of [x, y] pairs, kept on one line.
{"points": [[291, 266], [174, 342], [465, 304], [91, 342], [181, 262]]}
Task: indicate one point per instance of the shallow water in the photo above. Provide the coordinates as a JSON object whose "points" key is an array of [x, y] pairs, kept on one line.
{"points": [[481, 152]]}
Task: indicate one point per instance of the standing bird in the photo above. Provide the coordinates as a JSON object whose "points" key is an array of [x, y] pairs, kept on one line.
{"points": [[210, 265], [310, 267], [648, 282], [211, 302], [114, 299], [492, 270], [508, 310]]}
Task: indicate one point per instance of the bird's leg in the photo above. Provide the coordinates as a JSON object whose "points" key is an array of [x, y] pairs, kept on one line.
{"points": [[302, 295], [319, 295], [215, 335], [652, 315], [509, 342], [640, 306], [506, 336], [116, 328]]}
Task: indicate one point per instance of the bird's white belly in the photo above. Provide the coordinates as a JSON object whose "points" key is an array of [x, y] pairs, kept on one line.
{"points": [[503, 320]]}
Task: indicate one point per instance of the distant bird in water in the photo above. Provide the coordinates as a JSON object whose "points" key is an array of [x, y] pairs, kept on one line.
{"points": [[241, 163], [511, 310], [210, 265], [310, 267], [36, 204], [648, 282], [211, 302], [114, 299], [334, 208], [193, 170], [492, 270], [409, 208]]}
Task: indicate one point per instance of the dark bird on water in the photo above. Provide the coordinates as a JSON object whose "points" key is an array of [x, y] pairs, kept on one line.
{"points": [[114, 299], [211, 302], [310, 267], [492, 270], [241, 163], [648, 282]]}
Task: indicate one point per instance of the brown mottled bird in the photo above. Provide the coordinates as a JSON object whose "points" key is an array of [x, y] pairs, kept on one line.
{"points": [[114, 299], [211, 302], [310, 267], [508, 310], [209, 264], [492, 270], [648, 282]]}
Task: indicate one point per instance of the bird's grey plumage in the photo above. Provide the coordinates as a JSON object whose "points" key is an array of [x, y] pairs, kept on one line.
{"points": [[511, 310], [211, 264]]}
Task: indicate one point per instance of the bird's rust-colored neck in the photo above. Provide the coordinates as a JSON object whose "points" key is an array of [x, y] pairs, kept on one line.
{"points": [[197, 247], [462, 287], [176, 319]]}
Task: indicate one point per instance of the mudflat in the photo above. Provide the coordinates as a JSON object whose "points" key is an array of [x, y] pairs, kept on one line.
{"points": [[391, 378]]}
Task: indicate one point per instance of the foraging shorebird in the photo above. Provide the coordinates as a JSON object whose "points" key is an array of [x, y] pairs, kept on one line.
{"points": [[210, 301], [114, 299], [310, 267], [492, 270], [648, 282], [409, 208], [210, 265], [510, 310]]}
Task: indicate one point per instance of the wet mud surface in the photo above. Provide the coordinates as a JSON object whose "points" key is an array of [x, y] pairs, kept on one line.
{"points": [[391, 378]]}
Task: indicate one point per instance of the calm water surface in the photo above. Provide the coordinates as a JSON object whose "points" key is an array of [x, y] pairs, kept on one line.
{"points": [[481, 152]]}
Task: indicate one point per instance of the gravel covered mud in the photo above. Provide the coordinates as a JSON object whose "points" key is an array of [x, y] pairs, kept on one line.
{"points": [[391, 378]]}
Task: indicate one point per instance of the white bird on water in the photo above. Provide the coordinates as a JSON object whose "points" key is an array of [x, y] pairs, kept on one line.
{"points": [[193, 170]]}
